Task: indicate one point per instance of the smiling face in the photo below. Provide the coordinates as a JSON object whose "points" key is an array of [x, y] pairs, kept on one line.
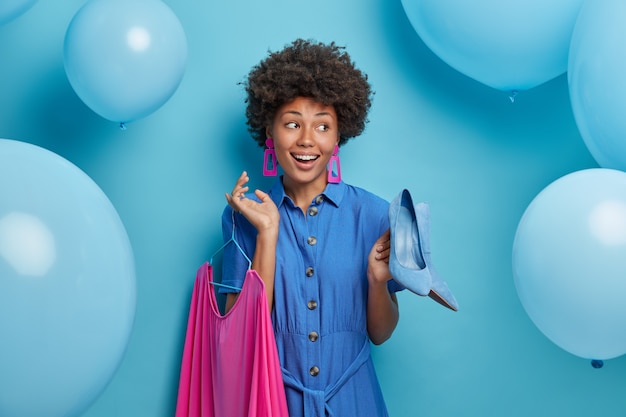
{"points": [[305, 133]]}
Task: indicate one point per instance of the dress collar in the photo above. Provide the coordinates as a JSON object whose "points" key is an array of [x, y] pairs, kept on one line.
{"points": [[333, 192]]}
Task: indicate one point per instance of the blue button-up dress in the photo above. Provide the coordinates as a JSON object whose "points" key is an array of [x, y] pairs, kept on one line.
{"points": [[320, 297]]}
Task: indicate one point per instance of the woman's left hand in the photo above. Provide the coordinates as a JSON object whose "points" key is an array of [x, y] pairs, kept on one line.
{"points": [[378, 260]]}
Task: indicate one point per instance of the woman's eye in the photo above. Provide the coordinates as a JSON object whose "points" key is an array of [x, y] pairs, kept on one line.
{"points": [[323, 128], [291, 125]]}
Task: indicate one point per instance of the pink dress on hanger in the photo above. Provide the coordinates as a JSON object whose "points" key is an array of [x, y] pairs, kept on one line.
{"points": [[230, 364]]}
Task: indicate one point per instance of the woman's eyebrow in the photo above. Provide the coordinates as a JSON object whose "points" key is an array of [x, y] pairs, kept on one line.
{"points": [[297, 113]]}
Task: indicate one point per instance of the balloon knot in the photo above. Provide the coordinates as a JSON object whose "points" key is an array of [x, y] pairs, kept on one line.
{"points": [[512, 95], [597, 363], [122, 126]]}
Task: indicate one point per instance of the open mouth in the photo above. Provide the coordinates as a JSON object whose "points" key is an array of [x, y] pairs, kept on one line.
{"points": [[305, 158]]}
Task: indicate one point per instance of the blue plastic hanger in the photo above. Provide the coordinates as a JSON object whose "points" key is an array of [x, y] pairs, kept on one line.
{"points": [[229, 241]]}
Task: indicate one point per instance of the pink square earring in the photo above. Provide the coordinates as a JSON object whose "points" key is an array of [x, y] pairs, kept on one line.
{"points": [[334, 165], [269, 159]]}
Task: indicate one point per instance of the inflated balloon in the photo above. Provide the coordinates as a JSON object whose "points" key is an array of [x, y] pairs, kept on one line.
{"points": [[569, 265], [67, 285], [125, 58], [508, 45], [11, 9], [597, 64]]}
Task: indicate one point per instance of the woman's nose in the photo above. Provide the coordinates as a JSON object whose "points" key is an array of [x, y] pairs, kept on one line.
{"points": [[306, 137]]}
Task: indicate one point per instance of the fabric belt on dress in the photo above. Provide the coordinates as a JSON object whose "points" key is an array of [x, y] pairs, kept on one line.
{"points": [[316, 401]]}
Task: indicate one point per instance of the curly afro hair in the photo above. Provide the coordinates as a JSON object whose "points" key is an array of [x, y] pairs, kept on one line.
{"points": [[323, 72]]}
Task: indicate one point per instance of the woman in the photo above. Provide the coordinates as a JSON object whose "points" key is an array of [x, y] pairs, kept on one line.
{"points": [[320, 245]]}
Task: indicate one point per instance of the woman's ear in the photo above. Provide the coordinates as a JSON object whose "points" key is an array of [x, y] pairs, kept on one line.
{"points": [[268, 132]]}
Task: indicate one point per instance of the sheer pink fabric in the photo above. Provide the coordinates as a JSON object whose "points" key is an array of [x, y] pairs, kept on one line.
{"points": [[230, 365]]}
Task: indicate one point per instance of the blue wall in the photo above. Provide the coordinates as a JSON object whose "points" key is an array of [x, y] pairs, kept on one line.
{"points": [[465, 148]]}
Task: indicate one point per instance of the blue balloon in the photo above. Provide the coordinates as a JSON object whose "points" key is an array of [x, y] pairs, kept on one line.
{"points": [[67, 285], [11, 9], [569, 262], [597, 64], [125, 58], [508, 45]]}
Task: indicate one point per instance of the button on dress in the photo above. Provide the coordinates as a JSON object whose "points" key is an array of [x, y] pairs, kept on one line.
{"points": [[320, 297]]}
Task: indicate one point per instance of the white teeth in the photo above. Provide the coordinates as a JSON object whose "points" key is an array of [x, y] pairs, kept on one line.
{"points": [[305, 157]]}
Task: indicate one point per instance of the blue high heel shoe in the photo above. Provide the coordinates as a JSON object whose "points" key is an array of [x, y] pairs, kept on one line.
{"points": [[406, 262], [439, 290]]}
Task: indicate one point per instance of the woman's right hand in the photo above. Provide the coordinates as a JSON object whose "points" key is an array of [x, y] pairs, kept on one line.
{"points": [[262, 215]]}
